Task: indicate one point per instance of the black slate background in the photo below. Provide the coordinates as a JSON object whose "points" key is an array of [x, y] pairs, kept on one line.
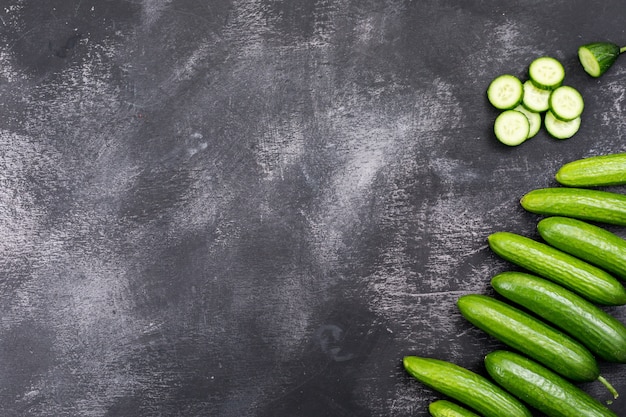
{"points": [[258, 207]]}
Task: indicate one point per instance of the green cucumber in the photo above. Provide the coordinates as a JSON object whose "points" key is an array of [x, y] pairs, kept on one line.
{"points": [[588, 281], [600, 332], [541, 388], [566, 103], [505, 92], [444, 408], [560, 129], [546, 72], [597, 57], [465, 386], [580, 203], [527, 334], [511, 127], [594, 171], [586, 241], [535, 99], [534, 120]]}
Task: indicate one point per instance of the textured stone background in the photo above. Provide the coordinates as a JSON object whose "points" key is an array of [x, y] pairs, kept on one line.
{"points": [[257, 207]]}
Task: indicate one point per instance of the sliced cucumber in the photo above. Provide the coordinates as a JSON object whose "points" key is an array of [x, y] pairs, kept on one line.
{"points": [[534, 120], [560, 129], [597, 57], [535, 99], [546, 72], [566, 103], [505, 92], [511, 127]]}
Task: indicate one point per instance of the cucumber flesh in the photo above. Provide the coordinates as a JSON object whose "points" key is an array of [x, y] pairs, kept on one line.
{"points": [[534, 120], [560, 129], [511, 127], [505, 92], [597, 57], [541, 388], [443, 408], [546, 72], [566, 103], [535, 99], [594, 171]]}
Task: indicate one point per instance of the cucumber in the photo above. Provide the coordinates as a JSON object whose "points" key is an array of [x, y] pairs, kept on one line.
{"points": [[541, 388], [534, 120], [597, 57], [511, 127], [525, 333], [443, 408], [600, 332], [566, 103], [505, 92], [560, 129], [535, 99], [588, 281], [546, 72], [586, 241], [465, 386], [580, 203], [594, 171]]}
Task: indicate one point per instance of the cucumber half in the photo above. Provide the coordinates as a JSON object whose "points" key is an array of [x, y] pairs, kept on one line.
{"points": [[597, 57]]}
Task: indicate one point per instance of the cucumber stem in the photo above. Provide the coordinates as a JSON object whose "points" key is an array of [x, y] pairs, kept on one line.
{"points": [[622, 49], [608, 386]]}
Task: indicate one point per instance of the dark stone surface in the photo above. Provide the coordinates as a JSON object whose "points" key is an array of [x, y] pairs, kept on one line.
{"points": [[257, 208]]}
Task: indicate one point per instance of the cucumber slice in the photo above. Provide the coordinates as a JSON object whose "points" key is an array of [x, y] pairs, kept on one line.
{"points": [[597, 57], [534, 120], [566, 103], [560, 129], [511, 127], [505, 92], [546, 72], [535, 99]]}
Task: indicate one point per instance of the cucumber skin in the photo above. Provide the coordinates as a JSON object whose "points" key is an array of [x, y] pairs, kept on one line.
{"points": [[541, 388], [443, 408], [604, 53], [465, 386], [588, 242], [588, 281], [595, 171], [600, 332], [527, 334], [579, 203]]}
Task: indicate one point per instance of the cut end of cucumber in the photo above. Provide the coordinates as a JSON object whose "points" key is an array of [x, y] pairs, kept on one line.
{"points": [[511, 127], [589, 62]]}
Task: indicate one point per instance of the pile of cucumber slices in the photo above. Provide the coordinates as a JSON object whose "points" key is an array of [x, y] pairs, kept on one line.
{"points": [[524, 103], [548, 312]]}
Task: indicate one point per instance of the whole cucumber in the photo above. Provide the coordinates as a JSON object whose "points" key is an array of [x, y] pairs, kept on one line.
{"points": [[594, 171], [465, 386], [524, 333], [590, 282], [444, 408], [541, 388], [591, 243], [580, 203], [600, 332]]}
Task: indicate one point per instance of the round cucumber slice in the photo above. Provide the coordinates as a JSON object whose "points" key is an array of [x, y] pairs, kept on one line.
{"points": [[511, 127], [505, 92], [535, 99], [534, 120], [566, 103], [546, 72], [560, 129]]}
